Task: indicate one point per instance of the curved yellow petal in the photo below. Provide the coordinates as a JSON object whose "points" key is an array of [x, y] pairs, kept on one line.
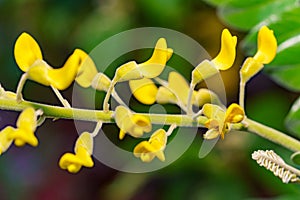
{"points": [[203, 96], [128, 71], [234, 114], [164, 95], [85, 140], [27, 120], [225, 59], [5, 141], [179, 86], [250, 68], [70, 162], [101, 82], [26, 51], [144, 90], [215, 112], [211, 134], [62, 78], [203, 70], [87, 70], [39, 72], [159, 136], [267, 45], [85, 157], [21, 137], [156, 64], [133, 124]]}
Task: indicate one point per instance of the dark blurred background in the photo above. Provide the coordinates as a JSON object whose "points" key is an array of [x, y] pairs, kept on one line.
{"points": [[59, 27]]}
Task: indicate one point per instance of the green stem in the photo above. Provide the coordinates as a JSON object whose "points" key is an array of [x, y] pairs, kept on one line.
{"points": [[98, 115], [272, 135], [20, 87]]}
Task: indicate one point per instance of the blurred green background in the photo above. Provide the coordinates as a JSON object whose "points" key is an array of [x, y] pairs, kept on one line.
{"points": [[59, 27]]}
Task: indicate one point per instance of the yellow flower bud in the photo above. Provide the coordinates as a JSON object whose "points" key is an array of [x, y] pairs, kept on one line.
{"points": [[101, 82], [156, 64], [128, 71], [144, 90], [267, 46], [133, 124], [204, 70], [225, 59], [164, 95], [154, 147], [82, 157], [250, 68]]}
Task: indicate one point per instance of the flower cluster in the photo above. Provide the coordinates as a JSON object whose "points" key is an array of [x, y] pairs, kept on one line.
{"points": [[146, 87]]}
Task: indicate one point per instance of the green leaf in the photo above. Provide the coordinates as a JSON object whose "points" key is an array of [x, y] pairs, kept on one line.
{"points": [[292, 120], [296, 158], [283, 17]]}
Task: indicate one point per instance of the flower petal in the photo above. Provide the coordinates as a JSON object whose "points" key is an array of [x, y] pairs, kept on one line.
{"points": [[85, 140], [144, 90], [70, 162], [87, 70], [26, 51], [225, 59], [101, 82], [164, 95], [234, 114], [62, 78], [267, 45], [179, 86], [27, 120], [39, 72], [156, 64]]}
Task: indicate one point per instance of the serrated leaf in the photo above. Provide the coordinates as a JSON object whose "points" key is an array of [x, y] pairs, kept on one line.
{"points": [[296, 158], [292, 121]]}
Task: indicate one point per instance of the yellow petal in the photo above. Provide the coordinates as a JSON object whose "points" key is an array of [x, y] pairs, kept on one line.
{"points": [[101, 82], [147, 157], [164, 95], [144, 90], [26, 51], [5, 141], [203, 71], [22, 136], [128, 71], [267, 45], [27, 120], [250, 68], [161, 137], [133, 124], [156, 64], [203, 96], [179, 86], [215, 112], [62, 78], [87, 70], [85, 157], [70, 162], [39, 72], [211, 134], [225, 59], [234, 114], [85, 140]]}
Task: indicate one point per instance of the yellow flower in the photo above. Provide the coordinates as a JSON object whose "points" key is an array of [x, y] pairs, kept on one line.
{"points": [[267, 47], [154, 147], [26, 126], [152, 68], [7, 94], [82, 157], [29, 58], [133, 124], [144, 90], [223, 61], [24, 133], [219, 120]]}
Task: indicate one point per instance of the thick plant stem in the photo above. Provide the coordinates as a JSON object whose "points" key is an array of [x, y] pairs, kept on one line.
{"points": [[99, 115], [272, 135]]}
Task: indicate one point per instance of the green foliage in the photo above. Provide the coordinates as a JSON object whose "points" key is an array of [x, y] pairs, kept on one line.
{"points": [[281, 16], [293, 118]]}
